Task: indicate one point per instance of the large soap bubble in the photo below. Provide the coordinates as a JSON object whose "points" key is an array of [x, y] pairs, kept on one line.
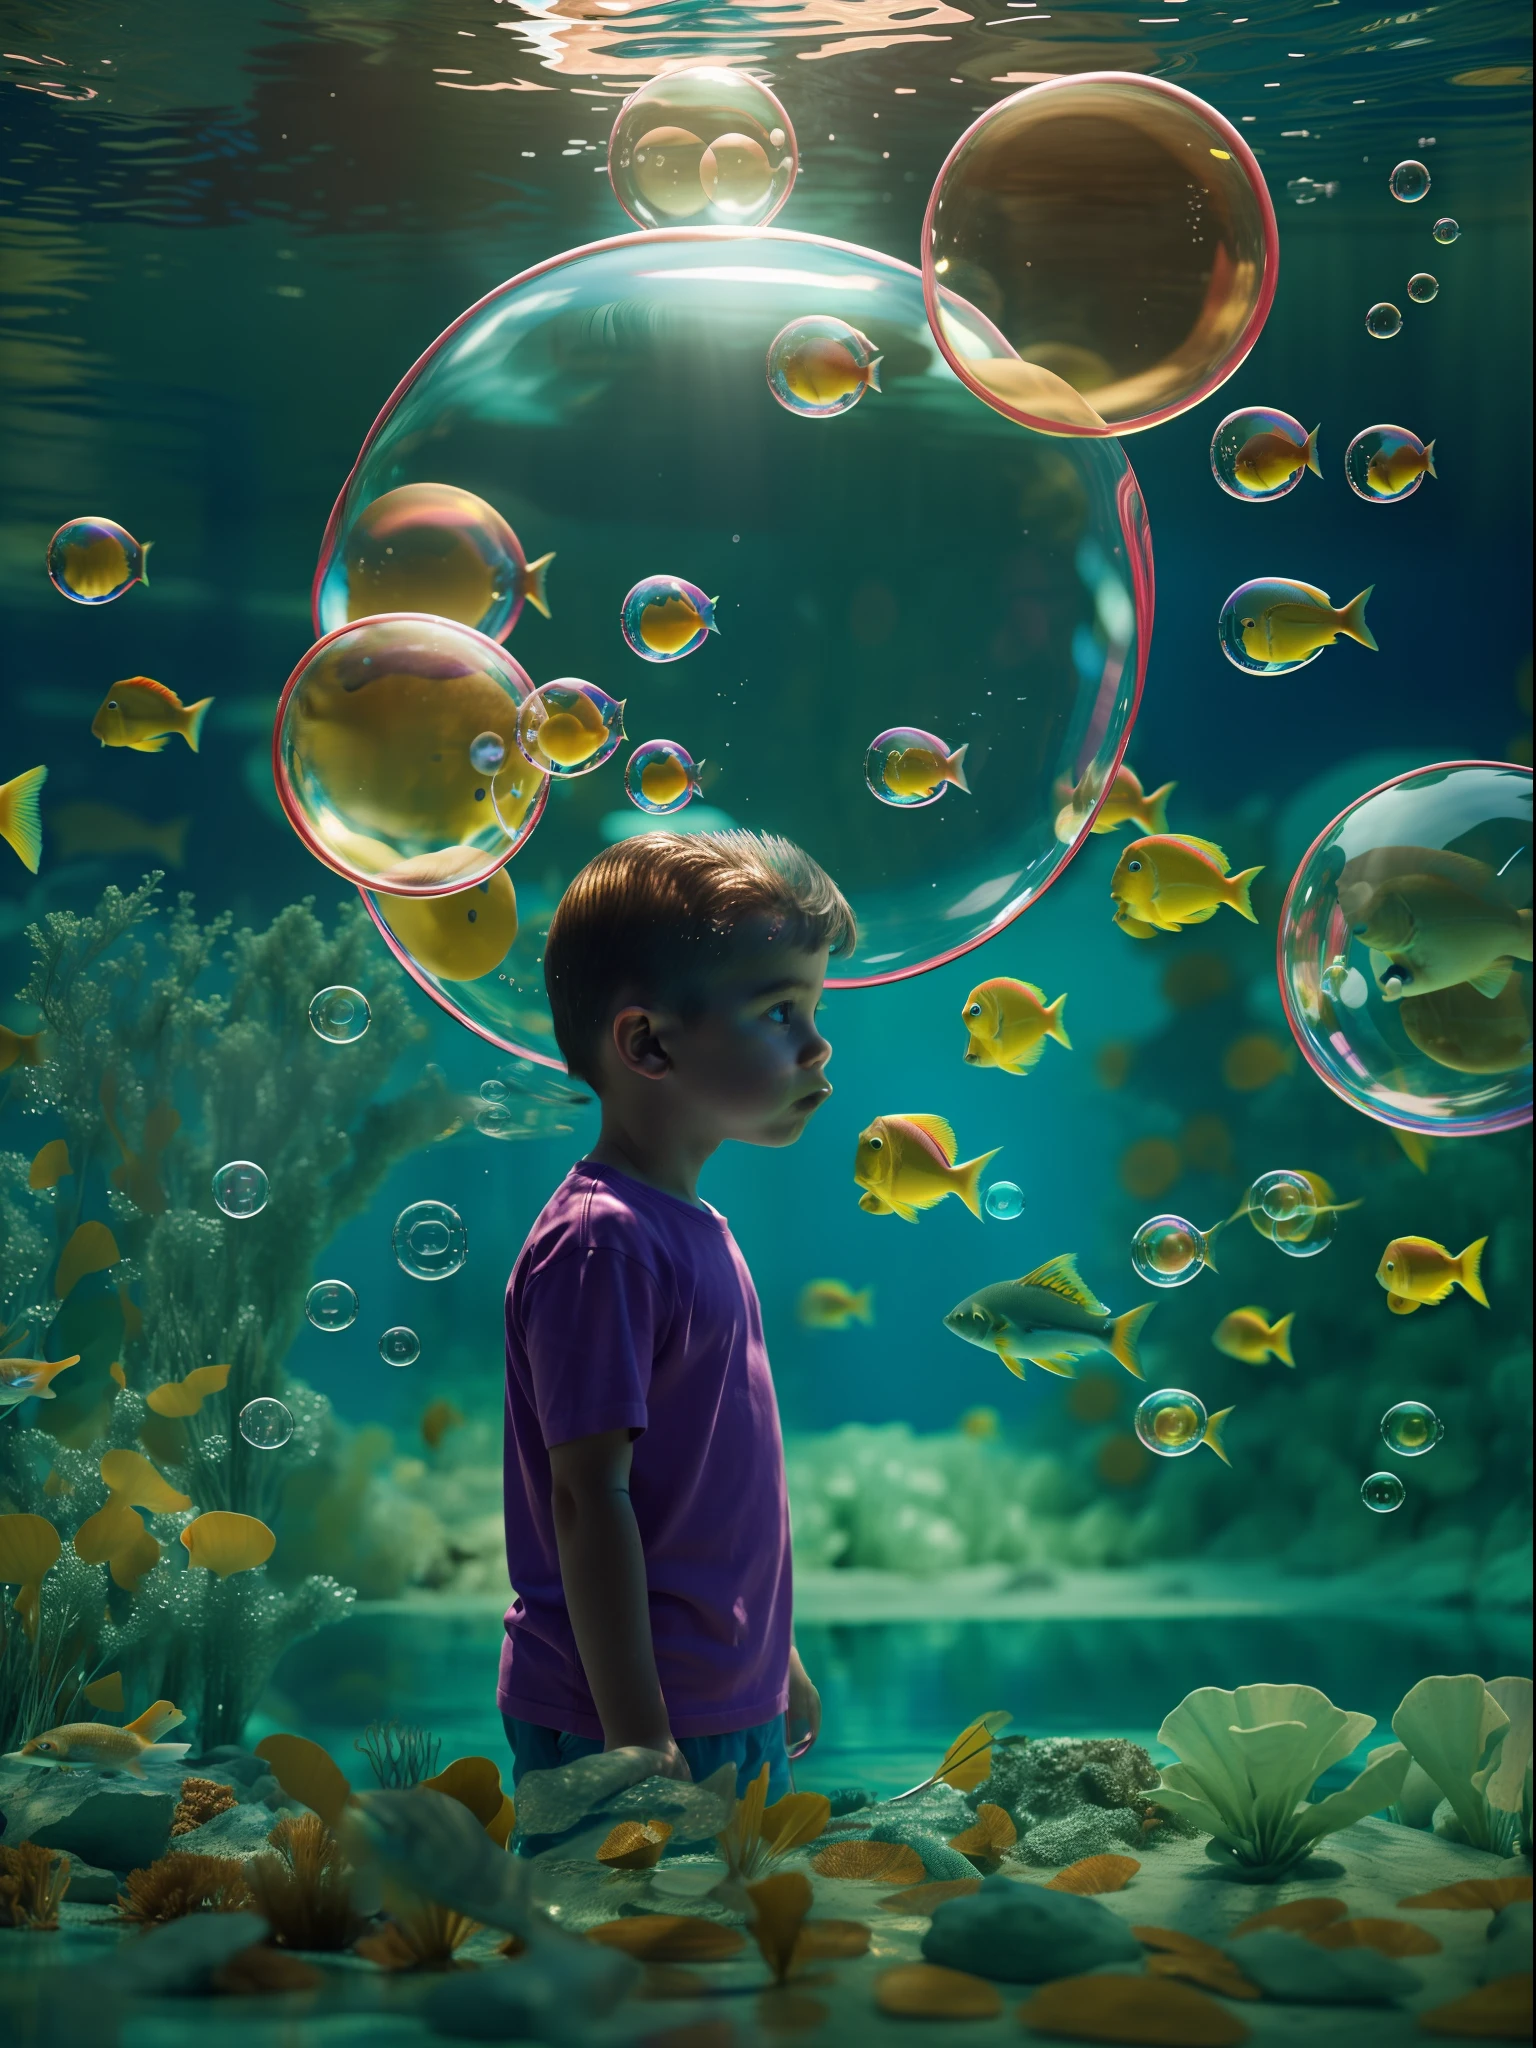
{"points": [[1405, 950], [372, 754], [1117, 239], [429, 548], [707, 144], [947, 571]]}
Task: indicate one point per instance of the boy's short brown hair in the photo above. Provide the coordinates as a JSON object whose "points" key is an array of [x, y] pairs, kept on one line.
{"points": [[647, 916]]}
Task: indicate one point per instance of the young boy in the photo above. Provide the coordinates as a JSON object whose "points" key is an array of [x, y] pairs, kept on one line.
{"points": [[647, 1521]]}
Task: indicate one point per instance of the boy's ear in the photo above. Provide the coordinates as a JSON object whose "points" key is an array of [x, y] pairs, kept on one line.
{"points": [[639, 1048]]}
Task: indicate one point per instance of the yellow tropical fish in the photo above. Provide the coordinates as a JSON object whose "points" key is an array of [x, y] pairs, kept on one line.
{"points": [[1247, 1334], [143, 715], [1416, 1270], [21, 824], [437, 1420], [1284, 621], [1265, 461], [905, 1163], [94, 1746], [1391, 470], [26, 1046], [821, 369], [1173, 879], [669, 623], [833, 1305], [1129, 804], [104, 828], [663, 779], [457, 937], [1426, 932], [22, 1379], [919, 771], [1009, 1022], [1465, 1030], [1050, 1317]]}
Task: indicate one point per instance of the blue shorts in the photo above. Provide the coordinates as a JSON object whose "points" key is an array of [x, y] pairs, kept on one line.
{"points": [[545, 1749]]}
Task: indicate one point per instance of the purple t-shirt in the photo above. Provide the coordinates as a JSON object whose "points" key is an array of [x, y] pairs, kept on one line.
{"points": [[632, 1309]]}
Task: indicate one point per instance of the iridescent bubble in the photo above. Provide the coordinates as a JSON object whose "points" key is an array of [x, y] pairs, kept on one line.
{"points": [[1258, 454], [430, 1240], [1117, 233], [428, 548], [399, 1346], [663, 618], [1409, 182], [493, 1091], [331, 1305], [819, 366], [1446, 230], [265, 1423], [1383, 1493], [1411, 1429], [906, 766], [1423, 1052], [1283, 1196], [1171, 1423], [1422, 287], [92, 560], [1169, 1251], [1383, 321], [373, 767], [487, 751], [1004, 1201], [496, 1120], [339, 1015], [569, 727], [661, 777], [453, 938], [1276, 625], [1386, 464], [1303, 1237], [240, 1188], [706, 144]]}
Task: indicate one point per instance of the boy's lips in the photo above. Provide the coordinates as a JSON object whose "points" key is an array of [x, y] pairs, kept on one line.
{"points": [[814, 1099]]}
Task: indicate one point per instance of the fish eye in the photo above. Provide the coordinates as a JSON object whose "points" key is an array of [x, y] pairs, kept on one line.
{"points": [[974, 1010], [1390, 1265], [1249, 624], [111, 703], [1134, 867], [875, 1144]]}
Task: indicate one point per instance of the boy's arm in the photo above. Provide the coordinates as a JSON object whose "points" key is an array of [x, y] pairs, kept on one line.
{"points": [[602, 1568]]}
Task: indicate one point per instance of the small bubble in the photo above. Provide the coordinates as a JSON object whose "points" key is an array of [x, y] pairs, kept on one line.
{"points": [[1282, 1196], [1383, 321], [1446, 231], [1409, 182], [1169, 1251], [1411, 1429], [493, 1091], [1383, 1492], [1171, 1423], [487, 751], [400, 1346], [240, 1188], [331, 1305], [340, 1015], [266, 1424], [430, 1241], [1004, 1201], [1422, 287]]}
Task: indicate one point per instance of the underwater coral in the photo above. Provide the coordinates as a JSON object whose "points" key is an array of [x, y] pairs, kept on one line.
{"points": [[178, 1884], [32, 1882]]}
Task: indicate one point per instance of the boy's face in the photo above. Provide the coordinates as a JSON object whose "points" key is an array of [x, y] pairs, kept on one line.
{"points": [[751, 1064]]}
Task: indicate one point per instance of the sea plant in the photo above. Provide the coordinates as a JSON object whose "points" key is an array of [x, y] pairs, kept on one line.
{"points": [[399, 1754], [1248, 1759], [419, 1934], [302, 1886], [758, 1835], [181, 1883], [32, 1882], [202, 1800], [1473, 1742]]}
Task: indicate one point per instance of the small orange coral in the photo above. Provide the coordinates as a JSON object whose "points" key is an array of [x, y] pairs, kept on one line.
{"points": [[635, 1844], [420, 1934], [302, 1887], [178, 1884], [886, 1862], [201, 1799], [32, 1882], [988, 1836], [1095, 1874]]}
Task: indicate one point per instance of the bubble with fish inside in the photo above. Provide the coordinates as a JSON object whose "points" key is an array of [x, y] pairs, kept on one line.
{"points": [[1169, 1251], [1087, 222], [820, 367], [665, 617], [1022, 665], [429, 547], [1411, 1428], [93, 560], [1386, 464], [1405, 950], [706, 144], [1259, 454], [1171, 1423], [660, 778]]}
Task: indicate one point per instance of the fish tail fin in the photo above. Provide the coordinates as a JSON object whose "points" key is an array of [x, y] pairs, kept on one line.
{"points": [[1280, 1340], [1156, 820], [1352, 620], [29, 1050], [968, 1179], [196, 713], [155, 1720], [166, 1750], [1240, 885], [1207, 1256], [954, 768], [712, 624], [144, 548], [21, 822], [1469, 1271], [1123, 1334], [532, 580], [872, 376], [1429, 460], [171, 841], [864, 1307], [1054, 1028], [1214, 1424], [1312, 462]]}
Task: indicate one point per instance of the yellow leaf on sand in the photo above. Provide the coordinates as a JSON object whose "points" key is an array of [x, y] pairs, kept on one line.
{"points": [[307, 1773], [1095, 1874], [1296, 1916], [224, 1544], [884, 1862], [634, 1844], [927, 1991], [185, 1397], [968, 1760], [50, 1165], [132, 1560], [1473, 1895], [106, 1694], [91, 1249], [1173, 1940], [988, 1836], [1139, 2009], [475, 1782], [131, 1475], [1500, 2011], [779, 1905], [29, 1547], [927, 1898], [831, 1941], [669, 1938], [1209, 1968], [798, 1817], [1387, 1937]]}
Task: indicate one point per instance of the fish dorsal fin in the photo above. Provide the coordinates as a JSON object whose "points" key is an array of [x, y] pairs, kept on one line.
{"points": [[1060, 1276], [1207, 847], [938, 1130], [1037, 993], [168, 698]]}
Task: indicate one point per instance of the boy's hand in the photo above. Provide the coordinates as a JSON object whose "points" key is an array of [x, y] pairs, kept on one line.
{"points": [[671, 1763], [802, 1717]]}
